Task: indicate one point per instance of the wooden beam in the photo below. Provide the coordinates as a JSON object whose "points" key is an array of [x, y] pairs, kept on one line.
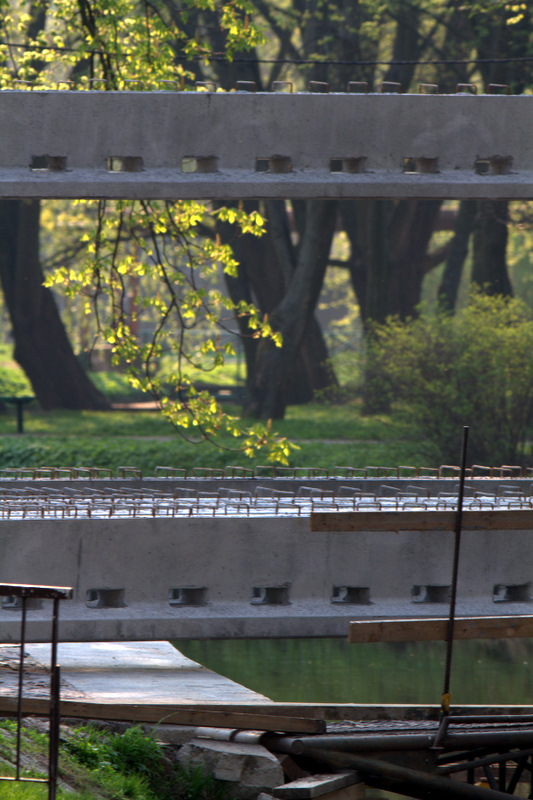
{"points": [[364, 712], [419, 520], [417, 630], [165, 714], [276, 711]]}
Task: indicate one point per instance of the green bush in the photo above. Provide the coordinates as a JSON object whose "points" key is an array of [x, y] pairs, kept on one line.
{"points": [[474, 368], [133, 765], [13, 382], [117, 388]]}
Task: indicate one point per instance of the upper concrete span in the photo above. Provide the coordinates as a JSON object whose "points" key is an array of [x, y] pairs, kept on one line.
{"points": [[196, 145]]}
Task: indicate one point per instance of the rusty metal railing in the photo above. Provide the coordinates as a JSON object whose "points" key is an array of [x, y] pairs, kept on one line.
{"points": [[21, 593], [52, 473], [47, 502]]}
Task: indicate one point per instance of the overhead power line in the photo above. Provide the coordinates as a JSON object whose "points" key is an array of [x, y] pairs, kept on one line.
{"points": [[361, 63], [295, 61]]}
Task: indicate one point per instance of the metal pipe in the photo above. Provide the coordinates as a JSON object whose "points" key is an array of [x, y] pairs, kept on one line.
{"points": [[403, 780], [503, 719], [350, 743], [354, 743], [494, 758]]}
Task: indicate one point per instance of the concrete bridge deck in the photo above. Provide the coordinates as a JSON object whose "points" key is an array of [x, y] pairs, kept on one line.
{"points": [[224, 571], [197, 145]]}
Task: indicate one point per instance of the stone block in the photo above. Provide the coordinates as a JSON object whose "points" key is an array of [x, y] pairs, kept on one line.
{"points": [[331, 786], [250, 767]]}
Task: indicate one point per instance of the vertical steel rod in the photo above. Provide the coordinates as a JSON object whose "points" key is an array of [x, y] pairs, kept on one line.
{"points": [[502, 776], [445, 703], [20, 686], [20, 421], [53, 731]]}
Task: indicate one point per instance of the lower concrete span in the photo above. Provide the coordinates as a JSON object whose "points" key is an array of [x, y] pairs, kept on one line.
{"points": [[268, 575]]}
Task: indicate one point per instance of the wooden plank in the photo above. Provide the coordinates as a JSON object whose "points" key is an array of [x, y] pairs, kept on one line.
{"points": [[276, 711], [173, 715], [368, 711], [316, 785], [419, 520], [417, 630]]}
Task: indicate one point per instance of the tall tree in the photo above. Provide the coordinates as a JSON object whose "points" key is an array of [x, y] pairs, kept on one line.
{"points": [[499, 37], [110, 42], [489, 261], [292, 315], [265, 271], [331, 41], [42, 347]]}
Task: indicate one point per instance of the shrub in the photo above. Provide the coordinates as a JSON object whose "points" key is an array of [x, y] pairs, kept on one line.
{"points": [[13, 382], [133, 765], [474, 368]]}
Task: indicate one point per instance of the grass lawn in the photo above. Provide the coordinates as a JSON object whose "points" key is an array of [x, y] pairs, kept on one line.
{"points": [[327, 435]]}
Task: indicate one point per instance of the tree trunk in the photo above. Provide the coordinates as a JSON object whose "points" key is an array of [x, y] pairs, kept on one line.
{"points": [[266, 267], [389, 242], [292, 316], [451, 277], [42, 347], [489, 268]]}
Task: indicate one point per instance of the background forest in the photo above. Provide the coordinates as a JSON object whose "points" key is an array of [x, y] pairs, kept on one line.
{"points": [[291, 301]]}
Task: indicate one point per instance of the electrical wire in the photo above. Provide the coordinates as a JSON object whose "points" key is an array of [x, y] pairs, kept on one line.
{"points": [[215, 57], [330, 62]]}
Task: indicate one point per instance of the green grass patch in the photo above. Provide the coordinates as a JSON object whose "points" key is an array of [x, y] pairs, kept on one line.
{"points": [[327, 435], [95, 764], [340, 421], [101, 424]]}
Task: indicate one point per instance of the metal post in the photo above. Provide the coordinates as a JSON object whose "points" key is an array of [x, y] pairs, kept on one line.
{"points": [[55, 678], [445, 702], [502, 775], [20, 686], [53, 742], [20, 422]]}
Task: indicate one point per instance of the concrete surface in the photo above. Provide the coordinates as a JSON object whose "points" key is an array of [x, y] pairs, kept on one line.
{"points": [[253, 576], [144, 672], [231, 558], [474, 146]]}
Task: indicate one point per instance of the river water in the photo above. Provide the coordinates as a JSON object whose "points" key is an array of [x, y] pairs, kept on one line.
{"points": [[333, 671]]}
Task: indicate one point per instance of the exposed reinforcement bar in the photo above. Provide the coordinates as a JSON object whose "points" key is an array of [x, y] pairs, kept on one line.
{"points": [[181, 145], [169, 578]]}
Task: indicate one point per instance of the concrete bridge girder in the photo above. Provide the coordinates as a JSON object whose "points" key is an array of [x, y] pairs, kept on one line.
{"points": [[270, 576], [69, 144]]}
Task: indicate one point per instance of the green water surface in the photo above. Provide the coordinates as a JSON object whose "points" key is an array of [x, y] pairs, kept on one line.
{"points": [[333, 671]]}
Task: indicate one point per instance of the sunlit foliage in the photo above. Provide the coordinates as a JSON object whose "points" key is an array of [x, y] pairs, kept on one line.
{"points": [[169, 250]]}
